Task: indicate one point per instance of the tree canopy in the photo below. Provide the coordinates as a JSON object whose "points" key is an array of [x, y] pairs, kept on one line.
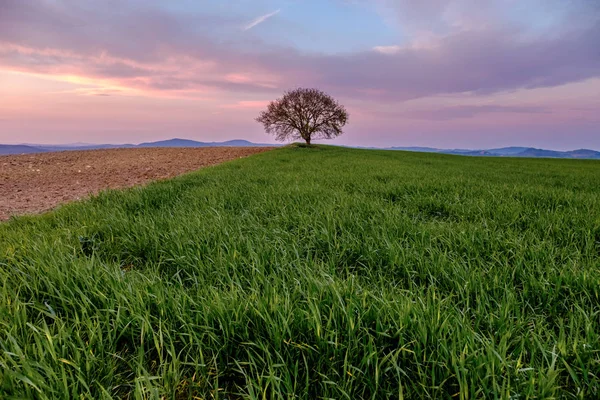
{"points": [[304, 114]]}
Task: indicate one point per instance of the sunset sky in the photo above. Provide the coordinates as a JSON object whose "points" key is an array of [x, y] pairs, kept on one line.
{"points": [[441, 73]]}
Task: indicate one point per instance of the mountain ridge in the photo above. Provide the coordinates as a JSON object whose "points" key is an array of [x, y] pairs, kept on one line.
{"points": [[16, 149], [10, 149], [511, 151]]}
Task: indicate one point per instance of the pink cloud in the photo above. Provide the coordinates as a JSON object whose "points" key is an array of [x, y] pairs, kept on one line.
{"points": [[247, 105], [164, 55], [169, 74]]}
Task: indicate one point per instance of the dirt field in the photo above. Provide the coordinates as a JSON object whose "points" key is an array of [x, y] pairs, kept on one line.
{"points": [[34, 183]]}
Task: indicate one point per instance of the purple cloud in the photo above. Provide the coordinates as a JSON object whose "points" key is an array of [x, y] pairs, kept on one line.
{"points": [[460, 112], [134, 45]]}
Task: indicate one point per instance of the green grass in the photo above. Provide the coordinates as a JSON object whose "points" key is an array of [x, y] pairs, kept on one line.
{"points": [[313, 273]]}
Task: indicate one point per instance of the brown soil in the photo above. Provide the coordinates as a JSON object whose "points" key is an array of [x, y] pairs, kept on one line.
{"points": [[34, 183]]}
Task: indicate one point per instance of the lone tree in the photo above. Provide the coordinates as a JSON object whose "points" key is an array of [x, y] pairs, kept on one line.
{"points": [[304, 114]]}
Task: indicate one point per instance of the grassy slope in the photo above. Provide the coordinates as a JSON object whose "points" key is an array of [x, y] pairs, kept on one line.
{"points": [[318, 272]]}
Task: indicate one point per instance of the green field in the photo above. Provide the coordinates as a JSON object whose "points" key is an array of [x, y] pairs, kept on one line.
{"points": [[313, 273]]}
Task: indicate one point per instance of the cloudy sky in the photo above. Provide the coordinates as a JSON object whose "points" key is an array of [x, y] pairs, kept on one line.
{"points": [[442, 73]]}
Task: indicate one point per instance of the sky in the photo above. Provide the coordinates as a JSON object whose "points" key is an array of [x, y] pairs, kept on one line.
{"points": [[440, 73]]}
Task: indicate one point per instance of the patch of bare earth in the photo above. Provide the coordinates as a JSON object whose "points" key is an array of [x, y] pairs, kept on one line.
{"points": [[34, 183]]}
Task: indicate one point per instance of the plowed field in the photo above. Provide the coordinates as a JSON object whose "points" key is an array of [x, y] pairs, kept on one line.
{"points": [[35, 183]]}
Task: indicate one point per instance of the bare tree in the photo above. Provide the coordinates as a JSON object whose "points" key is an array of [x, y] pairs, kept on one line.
{"points": [[304, 114]]}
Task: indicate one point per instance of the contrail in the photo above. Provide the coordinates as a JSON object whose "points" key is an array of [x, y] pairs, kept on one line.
{"points": [[261, 19]]}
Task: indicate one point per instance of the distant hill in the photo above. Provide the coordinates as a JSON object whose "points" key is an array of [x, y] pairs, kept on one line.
{"points": [[541, 153], [479, 153], [582, 153], [417, 149], [7, 149], [41, 148], [83, 147], [173, 143], [177, 142], [509, 152], [192, 143]]}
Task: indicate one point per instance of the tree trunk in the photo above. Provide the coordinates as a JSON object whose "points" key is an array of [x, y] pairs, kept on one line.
{"points": [[307, 140]]}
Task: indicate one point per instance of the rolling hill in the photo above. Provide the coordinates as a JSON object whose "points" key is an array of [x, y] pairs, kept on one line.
{"points": [[529, 152], [193, 143], [177, 142], [8, 149], [40, 148], [319, 273]]}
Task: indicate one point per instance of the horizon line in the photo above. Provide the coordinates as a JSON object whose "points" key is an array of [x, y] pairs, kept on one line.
{"points": [[84, 144]]}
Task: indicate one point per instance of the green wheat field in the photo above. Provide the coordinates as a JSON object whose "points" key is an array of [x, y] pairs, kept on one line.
{"points": [[312, 273]]}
